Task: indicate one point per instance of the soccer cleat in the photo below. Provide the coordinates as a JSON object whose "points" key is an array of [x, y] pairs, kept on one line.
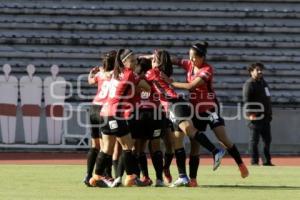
{"points": [[117, 182], [244, 171], [167, 176], [133, 180], [129, 180], [86, 181], [147, 181], [218, 158], [111, 179], [193, 182], [159, 183], [107, 182], [92, 182], [100, 181], [184, 181]]}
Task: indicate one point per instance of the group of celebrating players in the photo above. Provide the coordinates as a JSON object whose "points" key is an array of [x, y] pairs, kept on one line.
{"points": [[137, 105]]}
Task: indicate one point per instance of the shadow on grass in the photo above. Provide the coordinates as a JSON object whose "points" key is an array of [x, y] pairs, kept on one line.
{"points": [[254, 187]]}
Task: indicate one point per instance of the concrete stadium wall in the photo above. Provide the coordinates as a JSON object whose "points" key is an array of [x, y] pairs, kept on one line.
{"points": [[285, 130], [72, 128], [284, 127]]}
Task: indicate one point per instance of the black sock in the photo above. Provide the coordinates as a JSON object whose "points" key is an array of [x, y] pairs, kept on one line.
{"points": [[235, 154], [108, 166], [180, 161], [115, 166], [194, 164], [130, 161], [137, 169], [101, 163], [168, 160], [91, 160], [121, 166], [157, 160], [143, 165], [205, 142]]}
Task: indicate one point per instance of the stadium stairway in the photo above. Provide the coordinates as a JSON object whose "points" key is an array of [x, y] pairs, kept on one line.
{"points": [[73, 34]]}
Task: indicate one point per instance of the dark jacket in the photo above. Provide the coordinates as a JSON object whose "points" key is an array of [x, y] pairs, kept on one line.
{"points": [[258, 91]]}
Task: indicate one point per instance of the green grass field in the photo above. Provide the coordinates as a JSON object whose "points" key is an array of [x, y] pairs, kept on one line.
{"points": [[64, 182]]}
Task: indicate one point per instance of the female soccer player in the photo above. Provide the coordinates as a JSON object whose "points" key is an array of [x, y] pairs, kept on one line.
{"points": [[155, 126], [98, 75], [199, 75], [179, 112], [142, 128], [115, 112], [147, 127]]}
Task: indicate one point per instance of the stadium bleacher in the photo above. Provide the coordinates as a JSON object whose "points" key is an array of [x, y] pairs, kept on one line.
{"points": [[73, 34]]}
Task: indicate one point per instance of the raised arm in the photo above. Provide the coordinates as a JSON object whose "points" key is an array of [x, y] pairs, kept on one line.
{"points": [[91, 77], [182, 63], [150, 56]]}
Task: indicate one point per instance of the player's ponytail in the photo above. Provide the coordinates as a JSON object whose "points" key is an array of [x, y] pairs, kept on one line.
{"points": [[200, 48], [121, 57], [165, 62], [109, 60], [118, 64]]}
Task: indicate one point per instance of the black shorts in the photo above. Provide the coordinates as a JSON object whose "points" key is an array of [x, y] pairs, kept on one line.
{"points": [[179, 111], [146, 124], [115, 127], [211, 118], [95, 121], [167, 124]]}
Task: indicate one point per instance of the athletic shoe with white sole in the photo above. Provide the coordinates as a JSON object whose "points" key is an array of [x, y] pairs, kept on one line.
{"points": [[180, 182], [218, 158], [100, 181], [117, 182], [133, 180]]}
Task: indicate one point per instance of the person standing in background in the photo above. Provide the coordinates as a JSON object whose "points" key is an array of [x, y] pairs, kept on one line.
{"points": [[256, 96]]}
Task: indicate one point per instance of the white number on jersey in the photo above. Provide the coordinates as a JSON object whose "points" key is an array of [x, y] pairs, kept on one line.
{"points": [[104, 89], [108, 88]]}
